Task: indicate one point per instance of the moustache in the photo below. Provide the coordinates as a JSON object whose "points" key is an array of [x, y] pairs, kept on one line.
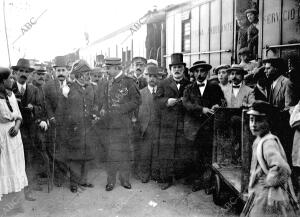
{"points": [[24, 77]]}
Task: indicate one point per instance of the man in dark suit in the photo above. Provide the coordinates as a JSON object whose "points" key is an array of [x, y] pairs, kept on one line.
{"points": [[169, 98], [201, 99], [149, 126], [118, 101], [29, 105], [138, 67]]}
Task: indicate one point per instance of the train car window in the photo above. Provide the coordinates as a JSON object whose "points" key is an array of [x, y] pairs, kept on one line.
{"points": [[186, 36]]}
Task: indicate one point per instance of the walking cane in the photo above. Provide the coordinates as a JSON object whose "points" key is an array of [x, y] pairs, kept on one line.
{"points": [[53, 159]]}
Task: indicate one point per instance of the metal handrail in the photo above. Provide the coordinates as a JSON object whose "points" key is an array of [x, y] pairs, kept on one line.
{"points": [[203, 52], [268, 47]]}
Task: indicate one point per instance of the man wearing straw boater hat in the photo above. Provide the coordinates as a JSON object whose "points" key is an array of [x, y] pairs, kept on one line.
{"points": [[117, 103], [169, 98], [28, 104], [201, 100]]}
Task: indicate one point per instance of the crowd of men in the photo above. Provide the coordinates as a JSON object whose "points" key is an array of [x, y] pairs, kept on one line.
{"points": [[143, 121]]}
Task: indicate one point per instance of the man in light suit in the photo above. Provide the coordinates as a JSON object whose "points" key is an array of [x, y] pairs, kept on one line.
{"points": [[281, 97], [149, 125], [238, 94]]}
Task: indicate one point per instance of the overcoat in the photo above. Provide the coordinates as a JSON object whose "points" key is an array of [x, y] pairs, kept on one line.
{"points": [[172, 141], [78, 119]]}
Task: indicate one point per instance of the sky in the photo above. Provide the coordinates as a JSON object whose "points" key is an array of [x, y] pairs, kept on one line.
{"points": [[62, 23]]}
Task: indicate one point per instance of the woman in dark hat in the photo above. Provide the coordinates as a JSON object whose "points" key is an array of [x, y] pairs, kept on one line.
{"points": [[270, 187], [12, 162]]}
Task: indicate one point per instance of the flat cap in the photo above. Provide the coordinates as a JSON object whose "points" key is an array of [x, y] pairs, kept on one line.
{"points": [[81, 66], [251, 10], [139, 59], [112, 61], [260, 108]]}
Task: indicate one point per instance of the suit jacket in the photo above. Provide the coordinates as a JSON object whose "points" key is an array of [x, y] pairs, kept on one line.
{"points": [[29, 97], [259, 95], [194, 102], [41, 114], [244, 97], [281, 96], [148, 114]]}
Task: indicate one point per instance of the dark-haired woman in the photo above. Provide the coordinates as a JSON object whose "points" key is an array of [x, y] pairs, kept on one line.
{"points": [[12, 163]]}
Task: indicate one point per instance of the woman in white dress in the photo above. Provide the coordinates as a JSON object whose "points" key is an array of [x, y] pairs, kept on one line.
{"points": [[12, 163]]}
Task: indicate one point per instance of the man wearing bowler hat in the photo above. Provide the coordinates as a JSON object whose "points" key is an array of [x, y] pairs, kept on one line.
{"points": [[169, 98], [201, 99], [118, 101], [149, 127], [26, 95]]}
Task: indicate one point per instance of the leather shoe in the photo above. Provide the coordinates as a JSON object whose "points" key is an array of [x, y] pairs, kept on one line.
{"points": [[109, 187], [87, 185], [74, 189], [127, 185], [145, 180], [165, 186]]}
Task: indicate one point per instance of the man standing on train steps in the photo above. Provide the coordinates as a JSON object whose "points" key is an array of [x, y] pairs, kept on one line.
{"points": [[169, 98], [119, 99]]}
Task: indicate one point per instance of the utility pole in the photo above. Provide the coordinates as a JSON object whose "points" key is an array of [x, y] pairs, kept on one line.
{"points": [[7, 44]]}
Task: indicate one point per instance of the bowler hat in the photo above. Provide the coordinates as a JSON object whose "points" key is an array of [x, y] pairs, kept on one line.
{"points": [[60, 61], [81, 66], [244, 50], [112, 61], [237, 68], [152, 70], [200, 64], [218, 68], [251, 10], [177, 59], [4, 73], [139, 59], [23, 64], [260, 108]]}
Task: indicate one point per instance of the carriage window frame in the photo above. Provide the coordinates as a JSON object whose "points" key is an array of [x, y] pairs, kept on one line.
{"points": [[186, 36]]}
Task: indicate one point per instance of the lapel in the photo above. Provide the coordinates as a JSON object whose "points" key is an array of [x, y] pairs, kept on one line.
{"points": [[277, 87], [173, 85]]}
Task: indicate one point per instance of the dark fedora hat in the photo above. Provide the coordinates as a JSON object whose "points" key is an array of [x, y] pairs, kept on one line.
{"points": [[237, 68], [81, 66], [251, 10], [152, 70], [275, 62], [177, 59], [23, 64], [200, 64]]}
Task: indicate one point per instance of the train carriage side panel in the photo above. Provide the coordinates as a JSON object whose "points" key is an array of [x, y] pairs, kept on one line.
{"points": [[195, 34], [204, 31], [215, 30]]}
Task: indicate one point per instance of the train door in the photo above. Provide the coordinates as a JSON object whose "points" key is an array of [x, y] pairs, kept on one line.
{"points": [[279, 28]]}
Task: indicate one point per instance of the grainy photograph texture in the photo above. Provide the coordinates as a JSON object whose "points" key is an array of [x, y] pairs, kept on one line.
{"points": [[150, 108]]}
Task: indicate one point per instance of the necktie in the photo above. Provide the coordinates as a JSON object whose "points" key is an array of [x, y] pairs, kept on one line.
{"points": [[153, 91], [236, 86], [22, 91]]}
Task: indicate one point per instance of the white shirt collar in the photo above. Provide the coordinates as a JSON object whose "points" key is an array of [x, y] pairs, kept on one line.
{"points": [[204, 82], [275, 82], [203, 87], [21, 85], [151, 88]]}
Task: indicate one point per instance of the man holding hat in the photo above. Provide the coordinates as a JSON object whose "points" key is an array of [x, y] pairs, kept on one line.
{"points": [[149, 126], [78, 121], [169, 98], [139, 66], [118, 101], [26, 95], [201, 99]]}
